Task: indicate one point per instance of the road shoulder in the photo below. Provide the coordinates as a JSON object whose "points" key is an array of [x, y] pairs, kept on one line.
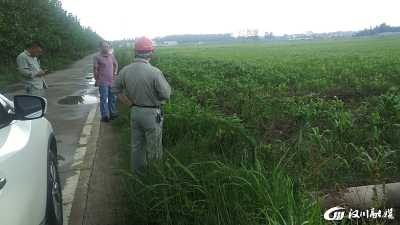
{"points": [[103, 187]]}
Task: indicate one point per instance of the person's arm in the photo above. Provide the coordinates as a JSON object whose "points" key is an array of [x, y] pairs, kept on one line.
{"points": [[41, 73], [95, 75], [23, 68], [118, 89], [121, 96], [115, 71], [162, 87], [115, 68]]}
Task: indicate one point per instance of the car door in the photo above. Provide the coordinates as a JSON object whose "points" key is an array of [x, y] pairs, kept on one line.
{"points": [[23, 170], [4, 132]]}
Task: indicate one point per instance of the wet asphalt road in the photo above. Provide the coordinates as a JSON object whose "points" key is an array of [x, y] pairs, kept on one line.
{"points": [[74, 114]]}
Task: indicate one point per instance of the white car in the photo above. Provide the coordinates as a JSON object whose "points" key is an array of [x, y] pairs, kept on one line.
{"points": [[30, 191]]}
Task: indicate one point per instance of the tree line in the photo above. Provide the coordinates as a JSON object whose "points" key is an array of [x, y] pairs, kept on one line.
{"points": [[60, 33], [243, 35], [249, 34], [378, 29], [195, 38]]}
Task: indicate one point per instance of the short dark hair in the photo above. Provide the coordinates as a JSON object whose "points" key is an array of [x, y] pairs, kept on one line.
{"points": [[101, 42], [34, 44], [140, 53]]}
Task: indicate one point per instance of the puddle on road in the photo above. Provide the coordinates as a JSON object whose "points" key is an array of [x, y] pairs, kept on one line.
{"points": [[91, 82], [90, 78], [77, 100], [60, 158]]}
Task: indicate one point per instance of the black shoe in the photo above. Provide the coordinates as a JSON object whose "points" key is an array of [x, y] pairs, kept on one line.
{"points": [[105, 119], [113, 117]]}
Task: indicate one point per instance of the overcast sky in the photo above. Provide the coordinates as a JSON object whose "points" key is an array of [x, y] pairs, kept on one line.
{"points": [[118, 19]]}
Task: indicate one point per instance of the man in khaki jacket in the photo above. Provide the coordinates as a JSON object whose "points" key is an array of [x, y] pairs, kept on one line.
{"points": [[147, 89], [30, 71]]}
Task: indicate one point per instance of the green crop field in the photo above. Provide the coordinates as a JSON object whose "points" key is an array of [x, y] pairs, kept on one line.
{"points": [[251, 128]]}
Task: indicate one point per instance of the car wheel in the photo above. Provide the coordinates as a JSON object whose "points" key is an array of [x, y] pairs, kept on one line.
{"points": [[54, 199]]}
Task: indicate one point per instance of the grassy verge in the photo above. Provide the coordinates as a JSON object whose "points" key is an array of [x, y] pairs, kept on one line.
{"points": [[194, 185], [8, 76]]}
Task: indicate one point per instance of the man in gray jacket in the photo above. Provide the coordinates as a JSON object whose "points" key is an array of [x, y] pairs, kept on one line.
{"points": [[30, 71], [147, 89]]}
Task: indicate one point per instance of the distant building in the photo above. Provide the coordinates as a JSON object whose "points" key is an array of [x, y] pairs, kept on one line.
{"points": [[276, 39], [297, 35], [170, 43], [388, 33], [126, 45], [309, 33], [165, 43], [337, 34], [304, 37]]}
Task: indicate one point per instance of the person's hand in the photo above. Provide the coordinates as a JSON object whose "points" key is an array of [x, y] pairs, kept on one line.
{"points": [[131, 105], [95, 84], [115, 76], [41, 73], [47, 72]]}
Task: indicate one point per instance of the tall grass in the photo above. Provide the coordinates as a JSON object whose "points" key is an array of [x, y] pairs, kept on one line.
{"points": [[8, 76], [212, 192], [196, 185]]}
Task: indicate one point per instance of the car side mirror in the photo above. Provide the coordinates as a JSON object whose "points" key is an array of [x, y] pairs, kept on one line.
{"points": [[28, 107]]}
